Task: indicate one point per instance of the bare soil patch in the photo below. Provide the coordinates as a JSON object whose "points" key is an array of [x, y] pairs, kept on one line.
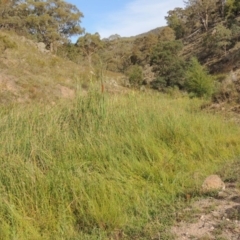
{"points": [[212, 217]]}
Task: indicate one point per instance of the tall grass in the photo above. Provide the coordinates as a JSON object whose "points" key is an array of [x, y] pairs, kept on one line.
{"points": [[105, 166]]}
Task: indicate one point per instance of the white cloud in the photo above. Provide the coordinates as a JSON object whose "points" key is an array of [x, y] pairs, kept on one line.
{"points": [[138, 16]]}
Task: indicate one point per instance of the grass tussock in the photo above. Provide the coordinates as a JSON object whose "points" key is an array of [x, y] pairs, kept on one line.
{"points": [[105, 166]]}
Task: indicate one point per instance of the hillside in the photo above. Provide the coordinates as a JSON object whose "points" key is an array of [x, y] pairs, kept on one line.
{"points": [[192, 46], [218, 63], [114, 139], [155, 31], [29, 72], [204, 36], [161, 58]]}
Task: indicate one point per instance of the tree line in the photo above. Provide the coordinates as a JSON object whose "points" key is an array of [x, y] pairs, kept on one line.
{"points": [[48, 21]]}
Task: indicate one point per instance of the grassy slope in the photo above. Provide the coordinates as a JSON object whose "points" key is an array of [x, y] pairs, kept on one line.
{"points": [[28, 74], [106, 166], [100, 166]]}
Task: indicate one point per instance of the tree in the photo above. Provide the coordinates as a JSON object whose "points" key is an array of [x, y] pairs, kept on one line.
{"points": [[135, 75], [89, 44], [142, 48], [49, 21], [71, 52], [222, 5], [167, 64], [117, 54], [53, 20], [176, 20], [218, 41], [223, 37], [235, 28], [167, 34], [114, 37], [9, 14], [232, 8], [232, 11], [202, 9], [198, 81]]}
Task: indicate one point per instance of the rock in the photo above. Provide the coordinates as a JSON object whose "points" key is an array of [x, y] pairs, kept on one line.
{"points": [[142, 88], [213, 183], [66, 92], [222, 195], [42, 47]]}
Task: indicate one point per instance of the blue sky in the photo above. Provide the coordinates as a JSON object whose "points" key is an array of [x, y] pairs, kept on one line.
{"points": [[124, 17]]}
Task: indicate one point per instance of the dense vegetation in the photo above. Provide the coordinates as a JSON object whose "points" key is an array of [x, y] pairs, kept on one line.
{"points": [[205, 30]]}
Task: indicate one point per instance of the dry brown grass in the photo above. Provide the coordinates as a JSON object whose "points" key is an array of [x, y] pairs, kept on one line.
{"points": [[27, 74]]}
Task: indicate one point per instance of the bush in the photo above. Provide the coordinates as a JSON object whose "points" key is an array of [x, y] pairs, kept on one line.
{"points": [[135, 75], [168, 66], [198, 82], [6, 42]]}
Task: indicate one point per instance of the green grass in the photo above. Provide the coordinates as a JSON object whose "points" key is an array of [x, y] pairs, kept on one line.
{"points": [[102, 167]]}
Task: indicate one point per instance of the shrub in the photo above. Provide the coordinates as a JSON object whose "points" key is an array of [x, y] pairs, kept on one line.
{"points": [[198, 82], [135, 75], [168, 65], [6, 42]]}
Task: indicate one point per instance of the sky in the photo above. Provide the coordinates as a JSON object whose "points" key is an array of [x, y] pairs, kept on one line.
{"points": [[124, 17]]}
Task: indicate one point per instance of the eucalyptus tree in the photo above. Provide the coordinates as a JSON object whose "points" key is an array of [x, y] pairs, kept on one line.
{"points": [[176, 19], [202, 10], [88, 45], [53, 21], [167, 64], [48, 21], [10, 17]]}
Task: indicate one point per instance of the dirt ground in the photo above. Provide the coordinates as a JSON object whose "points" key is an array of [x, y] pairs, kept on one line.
{"points": [[208, 218]]}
